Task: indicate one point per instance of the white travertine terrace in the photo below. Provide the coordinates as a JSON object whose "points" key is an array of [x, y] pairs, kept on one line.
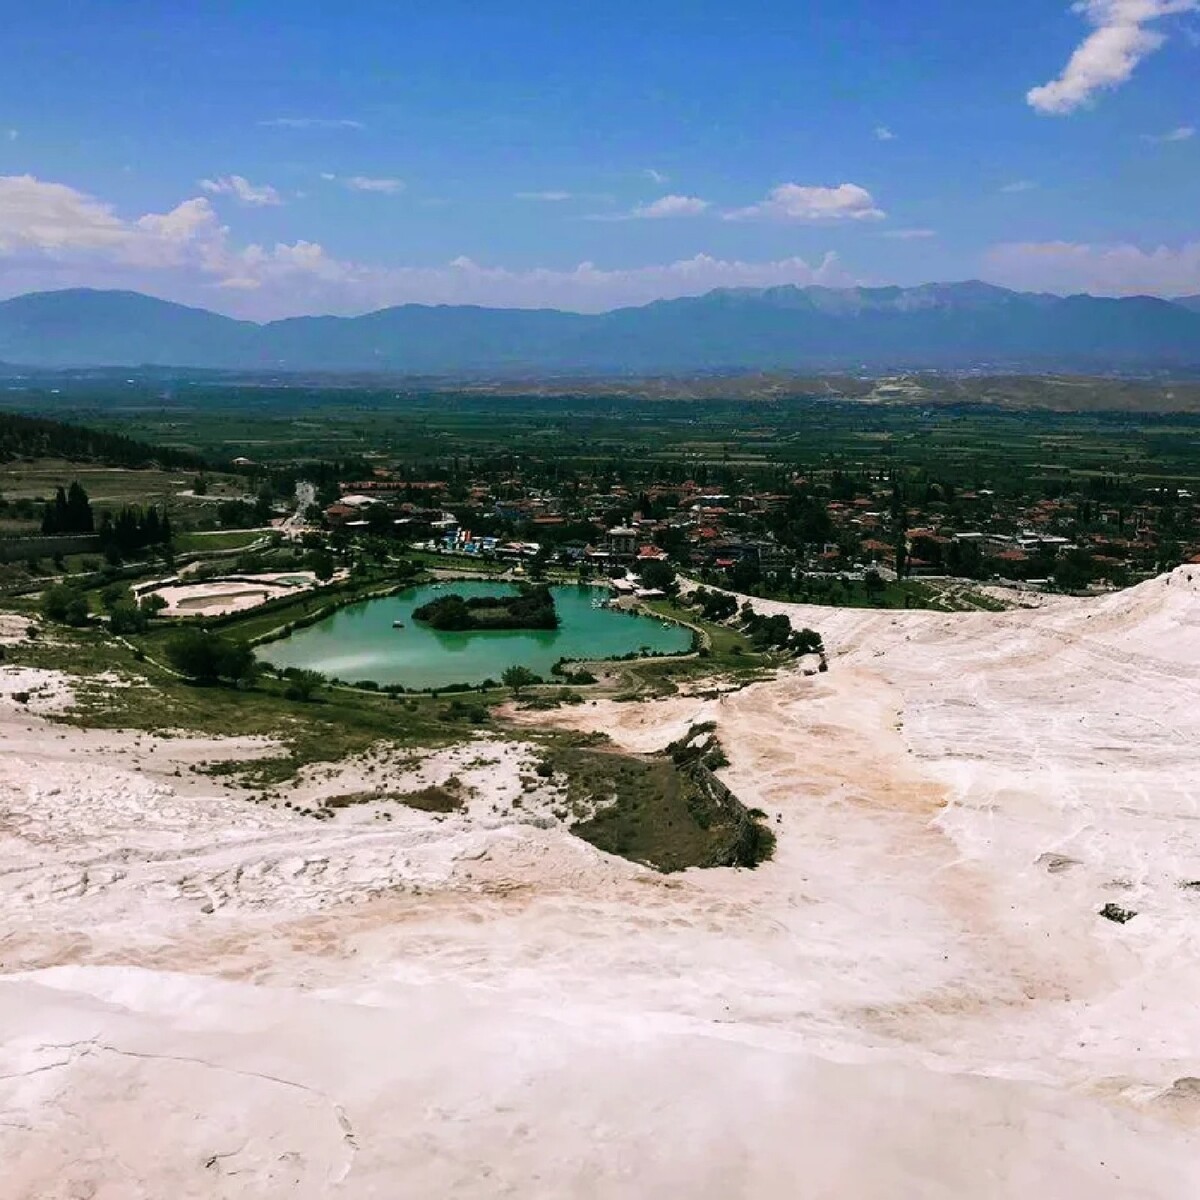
{"points": [[205, 997]]}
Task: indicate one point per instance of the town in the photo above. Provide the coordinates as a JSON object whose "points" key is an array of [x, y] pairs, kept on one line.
{"points": [[833, 536]]}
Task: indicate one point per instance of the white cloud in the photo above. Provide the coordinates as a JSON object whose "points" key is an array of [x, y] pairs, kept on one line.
{"points": [[909, 235], [656, 176], [671, 206], [1018, 186], [55, 231], [655, 210], [792, 202], [52, 235], [1118, 269], [311, 123], [12, 134], [48, 217], [884, 134], [1108, 56], [545, 197], [589, 288], [1182, 133], [363, 183], [242, 190]]}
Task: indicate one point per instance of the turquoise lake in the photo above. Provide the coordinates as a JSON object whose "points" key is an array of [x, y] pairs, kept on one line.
{"points": [[359, 642]]}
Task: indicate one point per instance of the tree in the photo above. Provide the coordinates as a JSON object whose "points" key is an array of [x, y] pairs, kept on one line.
{"points": [[380, 522], [64, 604], [126, 617], [874, 584], [79, 510], [69, 512], [518, 678], [153, 604], [660, 576], [301, 684], [807, 641], [208, 657], [1074, 570], [320, 563], [114, 594], [54, 519]]}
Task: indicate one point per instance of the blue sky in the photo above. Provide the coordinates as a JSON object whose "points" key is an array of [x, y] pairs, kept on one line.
{"points": [[269, 158]]}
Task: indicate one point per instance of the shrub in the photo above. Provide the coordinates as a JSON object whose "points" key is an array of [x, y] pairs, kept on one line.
{"points": [[126, 617], [209, 657], [517, 678], [64, 604], [152, 604], [302, 684]]}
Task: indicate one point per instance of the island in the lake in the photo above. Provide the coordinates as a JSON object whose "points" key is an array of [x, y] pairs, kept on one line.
{"points": [[530, 608]]}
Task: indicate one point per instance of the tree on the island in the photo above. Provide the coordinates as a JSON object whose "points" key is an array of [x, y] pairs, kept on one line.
{"points": [[517, 678]]}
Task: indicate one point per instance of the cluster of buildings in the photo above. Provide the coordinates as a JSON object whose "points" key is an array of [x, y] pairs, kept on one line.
{"points": [[807, 525]]}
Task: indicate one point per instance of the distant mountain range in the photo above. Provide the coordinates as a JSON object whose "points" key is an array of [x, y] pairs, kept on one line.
{"points": [[942, 326]]}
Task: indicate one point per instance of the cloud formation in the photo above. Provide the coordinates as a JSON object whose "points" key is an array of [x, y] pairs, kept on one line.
{"points": [[363, 183], [1118, 269], [793, 202], [550, 197], [909, 235], [52, 235], [242, 190], [671, 206], [656, 177], [1018, 186], [884, 134], [1110, 54], [311, 123], [1182, 133]]}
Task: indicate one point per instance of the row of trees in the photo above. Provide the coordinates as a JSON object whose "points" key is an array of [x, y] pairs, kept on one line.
{"points": [[134, 529], [765, 633], [36, 437], [126, 532], [69, 512], [67, 604]]}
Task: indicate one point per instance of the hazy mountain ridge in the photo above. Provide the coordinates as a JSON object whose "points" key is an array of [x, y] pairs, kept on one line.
{"points": [[936, 325]]}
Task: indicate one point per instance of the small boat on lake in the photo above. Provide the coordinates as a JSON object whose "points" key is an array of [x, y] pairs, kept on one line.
{"points": [[397, 624]]}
